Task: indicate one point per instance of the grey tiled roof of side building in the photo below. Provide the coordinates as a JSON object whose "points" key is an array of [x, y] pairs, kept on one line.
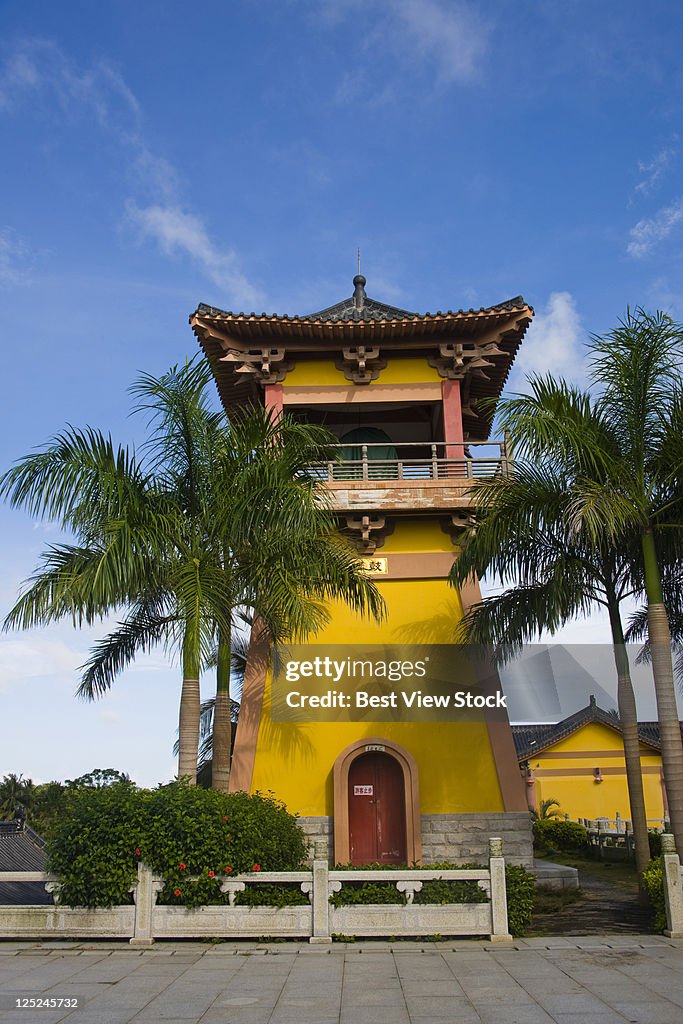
{"points": [[21, 849], [534, 738]]}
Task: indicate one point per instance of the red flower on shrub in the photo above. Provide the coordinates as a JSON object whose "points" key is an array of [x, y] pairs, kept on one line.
{"points": [[228, 870], [137, 852], [225, 818], [182, 866], [211, 874], [256, 867], [177, 892]]}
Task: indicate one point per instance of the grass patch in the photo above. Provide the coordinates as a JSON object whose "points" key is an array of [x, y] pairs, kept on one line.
{"points": [[622, 874]]}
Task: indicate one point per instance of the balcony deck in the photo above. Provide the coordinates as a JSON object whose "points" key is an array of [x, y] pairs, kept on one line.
{"points": [[401, 477]]}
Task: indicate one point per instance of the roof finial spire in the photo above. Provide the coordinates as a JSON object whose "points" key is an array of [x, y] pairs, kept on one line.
{"points": [[359, 282]]}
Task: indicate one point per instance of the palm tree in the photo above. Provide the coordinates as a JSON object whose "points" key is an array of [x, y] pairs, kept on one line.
{"points": [[280, 550], [140, 533], [208, 520], [239, 653], [639, 365], [549, 808], [526, 529], [631, 484], [15, 792]]}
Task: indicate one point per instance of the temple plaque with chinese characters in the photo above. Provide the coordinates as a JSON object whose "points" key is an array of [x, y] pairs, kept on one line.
{"points": [[375, 566]]}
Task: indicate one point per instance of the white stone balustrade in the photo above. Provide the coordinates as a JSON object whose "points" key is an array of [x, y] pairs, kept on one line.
{"points": [[673, 887], [146, 921]]}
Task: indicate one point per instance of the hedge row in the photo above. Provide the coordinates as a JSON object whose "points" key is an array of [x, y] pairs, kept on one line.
{"points": [[180, 831]]}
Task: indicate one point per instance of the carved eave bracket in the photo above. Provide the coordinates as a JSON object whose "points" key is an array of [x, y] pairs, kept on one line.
{"points": [[267, 365], [469, 405], [458, 359], [361, 364], [459, 526], [368, 532]]}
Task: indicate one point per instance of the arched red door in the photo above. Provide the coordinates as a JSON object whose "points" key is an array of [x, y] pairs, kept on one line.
{"points": [[377, 810]]}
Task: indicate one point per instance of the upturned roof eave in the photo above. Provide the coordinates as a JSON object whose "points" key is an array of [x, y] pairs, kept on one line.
{"points": [[569, 726]]}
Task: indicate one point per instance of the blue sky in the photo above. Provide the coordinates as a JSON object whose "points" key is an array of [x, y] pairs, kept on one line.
{"points": [[160, 154]]}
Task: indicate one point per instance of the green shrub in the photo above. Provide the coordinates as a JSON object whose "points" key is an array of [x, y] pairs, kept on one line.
{"points": [[444, 892], [653, 879], [565, 836], [188, 836], [655, 841], [92, 850], [361, 893], [272, 896], [521, 887]]}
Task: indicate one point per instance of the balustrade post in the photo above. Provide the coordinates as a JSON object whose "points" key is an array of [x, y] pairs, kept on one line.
{"points": [[499, 906], [435, 463], [673, 890], [145, 897], [320, 895], [364, 460]]}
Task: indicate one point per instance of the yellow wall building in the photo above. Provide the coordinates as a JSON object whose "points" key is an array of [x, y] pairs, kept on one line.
{"points": [[580, 762], [400, 391]]}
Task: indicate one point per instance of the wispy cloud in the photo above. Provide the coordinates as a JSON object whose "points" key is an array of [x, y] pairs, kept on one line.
{"points": [[15, 258], [36, 658], [450, 38], [655, 170], [178, 232], [40, 69], [554, 340], [648, 233]]}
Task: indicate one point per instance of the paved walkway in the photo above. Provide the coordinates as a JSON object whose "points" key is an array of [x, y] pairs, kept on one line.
{"points": [[602, 904], [596, 980]]}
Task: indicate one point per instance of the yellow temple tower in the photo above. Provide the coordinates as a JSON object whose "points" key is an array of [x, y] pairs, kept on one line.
{"points": [[400, 390]]}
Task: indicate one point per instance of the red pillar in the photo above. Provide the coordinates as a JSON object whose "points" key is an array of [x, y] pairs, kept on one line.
{"points": [[452, 419], [274, 399]]}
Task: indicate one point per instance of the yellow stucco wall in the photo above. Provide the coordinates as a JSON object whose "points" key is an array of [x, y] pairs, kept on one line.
{"points": [[571, 762], [322, 372], [457, 772]]}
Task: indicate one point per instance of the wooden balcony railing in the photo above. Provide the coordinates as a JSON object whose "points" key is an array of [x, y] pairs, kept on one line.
{"points": [[438, 460]]}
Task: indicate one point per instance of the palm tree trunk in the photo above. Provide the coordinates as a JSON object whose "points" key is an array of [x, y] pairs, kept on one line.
{"points": [[628, 717], [188, 726], [659, 638], [222, 718]]}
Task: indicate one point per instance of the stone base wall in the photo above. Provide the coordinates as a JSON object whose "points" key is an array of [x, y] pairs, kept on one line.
{"points": [[463, 838], [459, 838]]}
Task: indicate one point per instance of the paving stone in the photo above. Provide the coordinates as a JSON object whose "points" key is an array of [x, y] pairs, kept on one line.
{"points": [[531, 1014]]}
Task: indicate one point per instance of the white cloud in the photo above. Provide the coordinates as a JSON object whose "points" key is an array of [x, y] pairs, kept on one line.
{"points": [[655, 169], [554, 339], [177, 231], [15, 258], [648, 233], [448, 36], [100, 93], [18, 74], [452, 36], [36, 658]]}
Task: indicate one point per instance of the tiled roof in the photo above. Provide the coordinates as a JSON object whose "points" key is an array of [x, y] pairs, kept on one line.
{"points": [[346, 311], [532, 739], [21, 849]]}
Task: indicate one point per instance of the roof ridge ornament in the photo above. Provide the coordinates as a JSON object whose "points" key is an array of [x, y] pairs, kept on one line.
{"points": [[359, 295]]}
